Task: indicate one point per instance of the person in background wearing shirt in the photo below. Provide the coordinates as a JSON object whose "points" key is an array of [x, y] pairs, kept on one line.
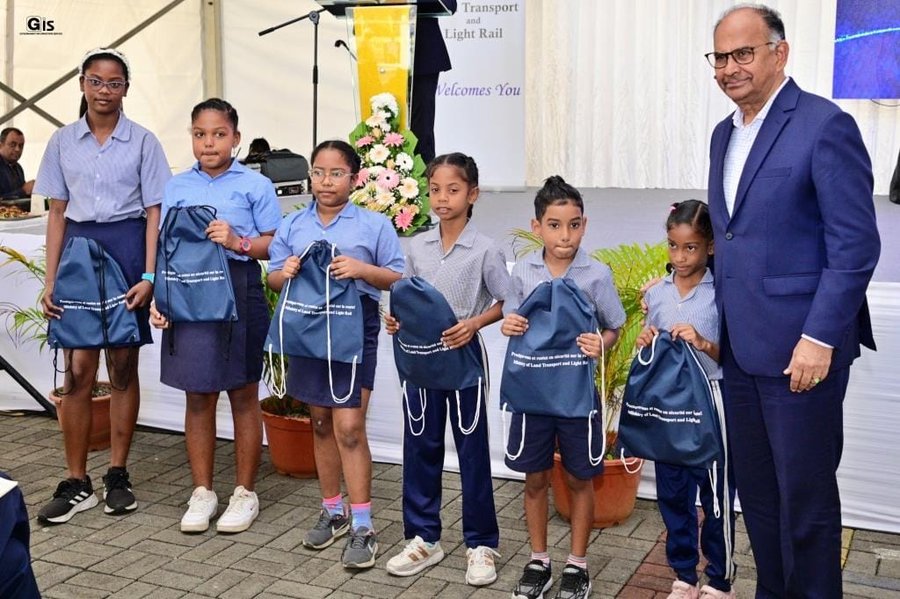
{"points": [[12, 177]]}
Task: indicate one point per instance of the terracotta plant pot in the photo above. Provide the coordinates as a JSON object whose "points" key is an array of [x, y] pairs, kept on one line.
{"points": [[615, 491], [100, 425], [290, 444]]}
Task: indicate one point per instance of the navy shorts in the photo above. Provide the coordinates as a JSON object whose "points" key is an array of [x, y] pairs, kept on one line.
{"points": [[543, 434], [307, 378]]}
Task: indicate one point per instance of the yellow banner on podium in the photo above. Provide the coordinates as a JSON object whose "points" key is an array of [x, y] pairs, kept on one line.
{"points": [[383, 55]]}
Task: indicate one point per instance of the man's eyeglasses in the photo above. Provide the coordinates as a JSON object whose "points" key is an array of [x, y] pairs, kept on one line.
{"points": [[97, 84], [718, 60], [318, 174]]}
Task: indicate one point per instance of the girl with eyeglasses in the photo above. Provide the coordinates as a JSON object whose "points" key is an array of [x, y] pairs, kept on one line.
{"points": [[207, 358], [370, 255], [104, 176]]}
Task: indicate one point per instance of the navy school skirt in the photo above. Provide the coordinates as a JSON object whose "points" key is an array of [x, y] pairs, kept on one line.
{"points": [[307, 378], [208, 357], [126, 242]]}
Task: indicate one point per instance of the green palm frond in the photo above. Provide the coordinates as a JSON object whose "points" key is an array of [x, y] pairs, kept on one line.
{"points": [[24, 324]]}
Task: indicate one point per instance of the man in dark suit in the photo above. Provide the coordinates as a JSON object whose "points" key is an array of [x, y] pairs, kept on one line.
{"points": [[12, 178], [431, 58], [790, 195]]}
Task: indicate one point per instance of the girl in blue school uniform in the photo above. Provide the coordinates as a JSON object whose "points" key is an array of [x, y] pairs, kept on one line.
{"points": [[104, 175], [371, 256], [469, 269], [207, 358], [684, 304]]}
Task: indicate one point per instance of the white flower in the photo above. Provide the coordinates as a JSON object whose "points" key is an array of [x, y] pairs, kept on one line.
{"points": [[404, 161], [374, 171], [385, 101], [378, 154], [409, 188], [376, 120], [384, 199]]}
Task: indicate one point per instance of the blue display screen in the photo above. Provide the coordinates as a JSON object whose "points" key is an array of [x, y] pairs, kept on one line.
{"points": [[867, 49]]}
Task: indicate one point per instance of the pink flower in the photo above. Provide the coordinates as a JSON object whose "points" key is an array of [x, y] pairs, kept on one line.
{"points": [[361, 177], [404, 219], [393, 139], [364, 141], [388, 179]]}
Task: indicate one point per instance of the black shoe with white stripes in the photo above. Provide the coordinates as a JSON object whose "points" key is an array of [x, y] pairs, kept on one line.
{"points": [[71, 496], [117, 492]]}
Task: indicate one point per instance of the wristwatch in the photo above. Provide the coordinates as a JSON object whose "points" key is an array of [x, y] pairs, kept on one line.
{"points": [[244, 245]]}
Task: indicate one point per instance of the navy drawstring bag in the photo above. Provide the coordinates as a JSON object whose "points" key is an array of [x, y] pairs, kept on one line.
{"points": [[91, 288], [318, 316], [669, 413], [545, 372], [422, 358], [193, 281], [420, 355]]}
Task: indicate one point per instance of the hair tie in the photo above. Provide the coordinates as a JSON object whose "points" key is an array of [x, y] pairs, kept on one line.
{"points": [[673, 207]]}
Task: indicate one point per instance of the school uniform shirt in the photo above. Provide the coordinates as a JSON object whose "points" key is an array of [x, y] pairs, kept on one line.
{"points": [[471, 275], [592, 277], [241, 197], [666, 308], [107, 183], [357, 232]]}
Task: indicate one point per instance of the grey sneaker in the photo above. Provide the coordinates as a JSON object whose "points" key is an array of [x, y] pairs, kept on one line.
{"points": [[361, 549], [327, 530]]}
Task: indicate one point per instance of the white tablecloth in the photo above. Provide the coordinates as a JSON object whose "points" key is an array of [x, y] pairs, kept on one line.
{"points": [[869, 475]]}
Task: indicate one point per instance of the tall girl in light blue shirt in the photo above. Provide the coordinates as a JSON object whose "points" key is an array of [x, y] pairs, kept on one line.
{"points": [[104, 175]]}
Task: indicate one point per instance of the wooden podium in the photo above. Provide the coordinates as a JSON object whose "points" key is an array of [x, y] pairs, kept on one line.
{"points": [[382, 36]]}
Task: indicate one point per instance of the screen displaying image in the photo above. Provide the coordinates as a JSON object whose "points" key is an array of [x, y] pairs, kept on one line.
{"points": [[867, 49]]}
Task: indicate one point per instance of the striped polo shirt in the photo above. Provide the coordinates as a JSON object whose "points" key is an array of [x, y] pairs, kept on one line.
{"points": [[104, 183], [666, 308], [471, 275], [592, 277]]}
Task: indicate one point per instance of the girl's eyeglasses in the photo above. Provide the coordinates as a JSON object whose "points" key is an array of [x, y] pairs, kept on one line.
{"points": [[113, 86], [318, 174]]}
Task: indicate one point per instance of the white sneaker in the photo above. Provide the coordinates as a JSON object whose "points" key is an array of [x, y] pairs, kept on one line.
{"points": [[481, 570], [683, 590], [414, 558], [242, 510], [202, 506]]}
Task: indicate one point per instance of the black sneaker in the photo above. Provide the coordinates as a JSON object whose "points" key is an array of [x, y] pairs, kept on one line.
{"points": [[536, 580], [72, 496], [574, 583], [117, 492]]}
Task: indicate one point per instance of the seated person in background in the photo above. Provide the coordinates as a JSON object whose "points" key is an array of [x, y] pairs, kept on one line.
{"points": [[12, 177], [259, 147]]}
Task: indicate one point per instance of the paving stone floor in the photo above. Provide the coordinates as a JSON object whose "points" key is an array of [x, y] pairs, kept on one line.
{"points": [[144, 554]]}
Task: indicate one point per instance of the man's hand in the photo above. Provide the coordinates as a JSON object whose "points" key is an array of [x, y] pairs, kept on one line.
{"points": [[809, 365]]}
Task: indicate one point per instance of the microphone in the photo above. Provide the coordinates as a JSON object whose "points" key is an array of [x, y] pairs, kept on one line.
{"points": [[342, 43]]}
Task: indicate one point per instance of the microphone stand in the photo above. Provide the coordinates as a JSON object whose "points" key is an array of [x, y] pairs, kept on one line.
{"points": [[313, 17]]}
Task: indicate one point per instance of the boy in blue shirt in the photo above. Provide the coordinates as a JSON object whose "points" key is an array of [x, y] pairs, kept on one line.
{"points": [[560, 222]]}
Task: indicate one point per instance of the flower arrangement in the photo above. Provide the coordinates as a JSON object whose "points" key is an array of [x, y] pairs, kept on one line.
{"points": [[392, 178]]}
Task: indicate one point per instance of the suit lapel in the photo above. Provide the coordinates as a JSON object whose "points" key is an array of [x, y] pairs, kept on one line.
{"points": [[720, 139], [779, 115]]}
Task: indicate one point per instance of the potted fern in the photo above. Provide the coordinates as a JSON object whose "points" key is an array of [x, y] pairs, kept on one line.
{"points": [[286, 420], [632, 265], [27, 324]]}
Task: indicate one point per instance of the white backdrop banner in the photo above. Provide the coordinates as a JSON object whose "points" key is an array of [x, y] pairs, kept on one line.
{"points": [[480, 108]]}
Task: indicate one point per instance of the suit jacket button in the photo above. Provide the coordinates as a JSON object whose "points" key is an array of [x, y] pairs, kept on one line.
{"points": [[729, 235]]}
